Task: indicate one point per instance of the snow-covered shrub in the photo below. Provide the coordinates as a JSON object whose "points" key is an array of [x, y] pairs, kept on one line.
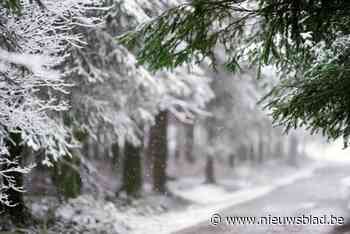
{"points": [[88, 215]]}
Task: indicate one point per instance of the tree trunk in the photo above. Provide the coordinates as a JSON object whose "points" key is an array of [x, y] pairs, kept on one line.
{"points": [[66, 177], [232, 159], [209, 171], [242, 153], [252, 154], [115, 153], [132, 170], [261, 151], [213, 133], [158, 149], [96, 150], [293, 151], [279, 152], [180, 142], [147, 158], [19, 214], [107, 152], [86, 148], [189, 143], [269, 145]]}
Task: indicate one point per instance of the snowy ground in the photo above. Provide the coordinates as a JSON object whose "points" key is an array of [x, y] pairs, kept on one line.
{"points": [[210, 199], [192, 202], [324, 194]]}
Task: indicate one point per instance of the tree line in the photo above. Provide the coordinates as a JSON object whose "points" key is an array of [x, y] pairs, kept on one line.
{"points": [[69, 87]]}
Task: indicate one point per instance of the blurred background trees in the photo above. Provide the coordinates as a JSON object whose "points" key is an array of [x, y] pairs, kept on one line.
{"points": [[118, 126]]}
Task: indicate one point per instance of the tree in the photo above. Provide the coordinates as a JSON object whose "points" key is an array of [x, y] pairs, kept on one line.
{"points": [[13, 182], [307, 41], [32, 45], [158, 150], [132, 171], [236, 123], [11, 4], [179, 92], [189, 142], [115, 98], [293, 150], [209, 170], [16, 6], [261, 150], [112, 97], [65, 175]]}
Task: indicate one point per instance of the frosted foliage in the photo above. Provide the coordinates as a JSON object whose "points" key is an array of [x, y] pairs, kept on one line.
{"points": [[32, 44], [184, 91], [236, 120], [327, 55], [115, 98], [111, 92], [187, 93], [142, 11]]}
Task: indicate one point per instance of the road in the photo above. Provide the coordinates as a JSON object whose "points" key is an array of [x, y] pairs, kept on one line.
{"points": [[322, 194]]}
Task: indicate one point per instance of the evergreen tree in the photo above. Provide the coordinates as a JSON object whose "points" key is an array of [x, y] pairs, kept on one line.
{"points": [[306, 40], [33, 43], [132, 171], [114, 98], [158, 150]]}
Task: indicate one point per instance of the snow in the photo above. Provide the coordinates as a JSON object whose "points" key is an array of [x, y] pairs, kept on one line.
{"points": [[345, 189], [212, 193], [99, 216], [329, 151], [346, 181], [174, 221], [121, 95], [93, 215], [218, 193], [35, 42]]}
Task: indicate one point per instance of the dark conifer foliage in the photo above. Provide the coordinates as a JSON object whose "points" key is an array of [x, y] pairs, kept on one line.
{"points": [[306, 40]]}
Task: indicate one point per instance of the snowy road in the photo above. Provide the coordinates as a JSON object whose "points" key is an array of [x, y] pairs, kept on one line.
{"points": [[325, 193]]}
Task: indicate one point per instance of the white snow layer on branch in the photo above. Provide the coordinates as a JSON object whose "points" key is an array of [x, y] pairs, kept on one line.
{"points": [[32, 45], [116, 96]]}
